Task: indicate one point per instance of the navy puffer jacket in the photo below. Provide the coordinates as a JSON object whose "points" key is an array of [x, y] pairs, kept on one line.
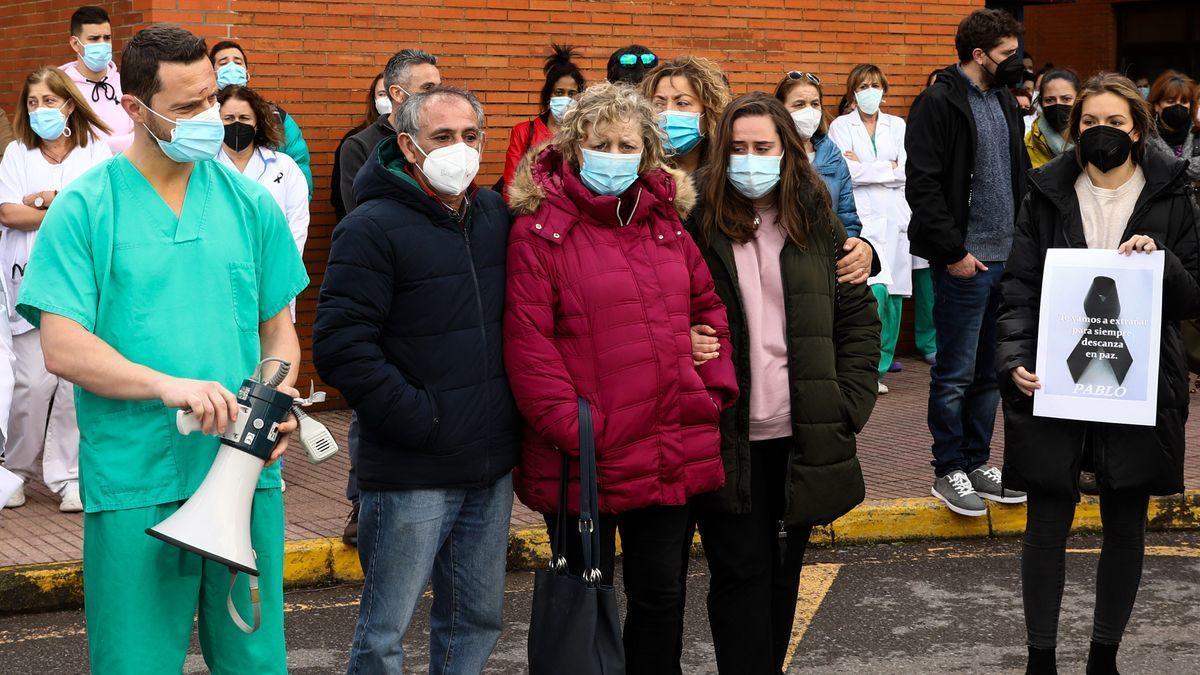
{"points": [[408, 329]]}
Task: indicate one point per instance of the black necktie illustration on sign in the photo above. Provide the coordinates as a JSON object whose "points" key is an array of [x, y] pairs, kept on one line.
{"points": [[1102, 339]]}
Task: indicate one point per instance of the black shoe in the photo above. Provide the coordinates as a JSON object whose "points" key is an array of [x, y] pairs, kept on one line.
{"points": [[1041, 662], [1088, 484], [1102, 659], [350, 534]]}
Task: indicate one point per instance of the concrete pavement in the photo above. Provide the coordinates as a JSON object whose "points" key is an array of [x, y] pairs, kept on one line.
{"points": [[919, 608]]}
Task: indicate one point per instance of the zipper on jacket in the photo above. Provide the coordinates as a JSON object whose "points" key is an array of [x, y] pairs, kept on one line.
{"points": [[745, 338], [787, 472], [781, 541], [482, 327]]}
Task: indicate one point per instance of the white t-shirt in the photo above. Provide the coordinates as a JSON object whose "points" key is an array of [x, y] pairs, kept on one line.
{"points": [[24, 171], [1106, 212], [282, 177]]}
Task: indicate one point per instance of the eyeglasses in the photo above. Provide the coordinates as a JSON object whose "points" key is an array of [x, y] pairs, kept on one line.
{"points": [[631, 60], [797, 75]]}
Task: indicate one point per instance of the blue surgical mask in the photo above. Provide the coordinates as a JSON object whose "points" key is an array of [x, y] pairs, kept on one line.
{"points": [[192, 140], [607, 173], [97, 56], [1144, 91], [754, 175], [559, 105], [231, 73], [682, 129], [48, 123], [869, 99]]}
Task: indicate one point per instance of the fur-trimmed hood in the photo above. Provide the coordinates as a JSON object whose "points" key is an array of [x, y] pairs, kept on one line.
{"points": [[539, 176]]}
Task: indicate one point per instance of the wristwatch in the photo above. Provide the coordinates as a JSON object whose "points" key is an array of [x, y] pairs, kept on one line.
{"points": [[40, 203]]}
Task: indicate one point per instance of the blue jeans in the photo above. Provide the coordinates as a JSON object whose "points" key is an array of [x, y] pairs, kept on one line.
{"points": [[459, 537], [962, 389]]}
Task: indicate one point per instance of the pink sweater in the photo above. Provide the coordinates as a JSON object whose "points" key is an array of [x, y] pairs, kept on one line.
{"points": [[761, 285], [105, 99]]}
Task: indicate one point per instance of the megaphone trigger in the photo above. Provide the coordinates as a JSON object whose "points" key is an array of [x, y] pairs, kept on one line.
{"points": [[186, 422]]}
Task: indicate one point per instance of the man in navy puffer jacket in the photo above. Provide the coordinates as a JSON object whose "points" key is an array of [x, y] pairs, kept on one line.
{"points": [[408, 328]]}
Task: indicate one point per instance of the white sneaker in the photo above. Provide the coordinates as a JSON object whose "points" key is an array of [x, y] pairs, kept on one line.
{"points": [[883, 389], [17, 499], [70, 499]]}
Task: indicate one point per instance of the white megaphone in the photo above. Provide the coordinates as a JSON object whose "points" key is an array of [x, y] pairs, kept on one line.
{"points": [[215, 522]]}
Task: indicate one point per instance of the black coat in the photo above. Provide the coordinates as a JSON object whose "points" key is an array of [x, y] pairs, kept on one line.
{"points": [[408, 329], [833, 357], [335, 178], [353, 153], [940, 143], [1041, 454]]}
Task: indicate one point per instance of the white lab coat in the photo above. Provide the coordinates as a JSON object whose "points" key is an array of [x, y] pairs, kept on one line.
{"points": [[879, 193], [282, 177], [7, 359], [24, 171]]}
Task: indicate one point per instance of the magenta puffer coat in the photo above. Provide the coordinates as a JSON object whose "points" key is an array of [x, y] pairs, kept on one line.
{"points": [[602, 292]]}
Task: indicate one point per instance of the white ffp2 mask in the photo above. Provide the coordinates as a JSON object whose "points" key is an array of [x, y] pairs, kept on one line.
{"points": [[807, 120], [451, 169]]}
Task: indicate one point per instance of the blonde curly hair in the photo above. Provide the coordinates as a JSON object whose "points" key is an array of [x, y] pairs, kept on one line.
{"points": [[605, 104], [706, 78]]}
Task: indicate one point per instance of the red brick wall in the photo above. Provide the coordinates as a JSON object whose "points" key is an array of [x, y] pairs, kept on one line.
{"points": [[1080, 35], [316, 58]]}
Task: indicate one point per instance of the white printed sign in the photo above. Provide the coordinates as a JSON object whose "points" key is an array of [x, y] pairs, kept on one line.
{"points": [[1099, 334]]}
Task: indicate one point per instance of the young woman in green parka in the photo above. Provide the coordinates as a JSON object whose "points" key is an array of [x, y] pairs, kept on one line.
{"points": [[805, 349]]}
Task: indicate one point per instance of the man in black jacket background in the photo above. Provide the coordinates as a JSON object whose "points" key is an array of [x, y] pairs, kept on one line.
{"points": [[408, 329], [965, 181], [408, 71]]}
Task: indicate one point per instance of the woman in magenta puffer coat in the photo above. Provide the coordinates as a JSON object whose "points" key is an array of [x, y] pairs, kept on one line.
{"points": [[603, 285]]}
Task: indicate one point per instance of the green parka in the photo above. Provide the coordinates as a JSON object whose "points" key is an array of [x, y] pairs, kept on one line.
{"points": [[833, 354]]}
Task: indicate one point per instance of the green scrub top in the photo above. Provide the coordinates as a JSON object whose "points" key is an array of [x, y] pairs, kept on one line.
{"points": [[181, 295]]}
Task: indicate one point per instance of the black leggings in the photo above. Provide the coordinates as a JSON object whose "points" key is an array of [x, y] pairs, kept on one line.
{"points": [[753, 573], [1044, 564]]}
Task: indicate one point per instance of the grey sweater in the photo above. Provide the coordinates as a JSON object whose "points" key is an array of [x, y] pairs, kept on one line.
{"points": [[991, 213]]}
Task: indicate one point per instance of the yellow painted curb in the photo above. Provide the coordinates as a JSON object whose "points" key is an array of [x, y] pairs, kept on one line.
{"points": [[26, 588], [306, 562], [1175, 512], [309, 562], [343, 562], [898, 519]]}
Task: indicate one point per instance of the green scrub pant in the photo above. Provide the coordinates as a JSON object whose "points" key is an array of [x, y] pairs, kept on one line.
{"points": [[141, 596], [890, 307], [926, 338]]}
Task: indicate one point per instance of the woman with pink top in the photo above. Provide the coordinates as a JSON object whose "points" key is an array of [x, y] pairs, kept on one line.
{"points": [[805, 349]]}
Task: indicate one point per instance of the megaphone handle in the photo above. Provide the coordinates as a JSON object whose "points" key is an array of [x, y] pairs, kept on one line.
{"points": [[186, 422], [233, 612]]}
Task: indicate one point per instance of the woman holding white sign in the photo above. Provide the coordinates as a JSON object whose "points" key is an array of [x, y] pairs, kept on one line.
{"points": [[1107, 194]]}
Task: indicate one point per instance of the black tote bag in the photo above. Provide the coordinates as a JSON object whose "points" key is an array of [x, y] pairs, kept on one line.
{"points": [[575, 628]]}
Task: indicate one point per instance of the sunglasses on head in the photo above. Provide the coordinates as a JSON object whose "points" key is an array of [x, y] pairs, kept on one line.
{"points": [[630, 60], [797, 75]]}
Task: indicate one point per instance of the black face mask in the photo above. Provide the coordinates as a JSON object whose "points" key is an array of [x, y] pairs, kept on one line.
{"points": [[1174, 122], [1057, 116], [239, 136], [1009, 71], [1105, 147], [1025, 112]]}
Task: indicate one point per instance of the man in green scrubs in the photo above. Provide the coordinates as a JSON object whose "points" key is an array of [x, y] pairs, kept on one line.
{"points": [[159, 280]]}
